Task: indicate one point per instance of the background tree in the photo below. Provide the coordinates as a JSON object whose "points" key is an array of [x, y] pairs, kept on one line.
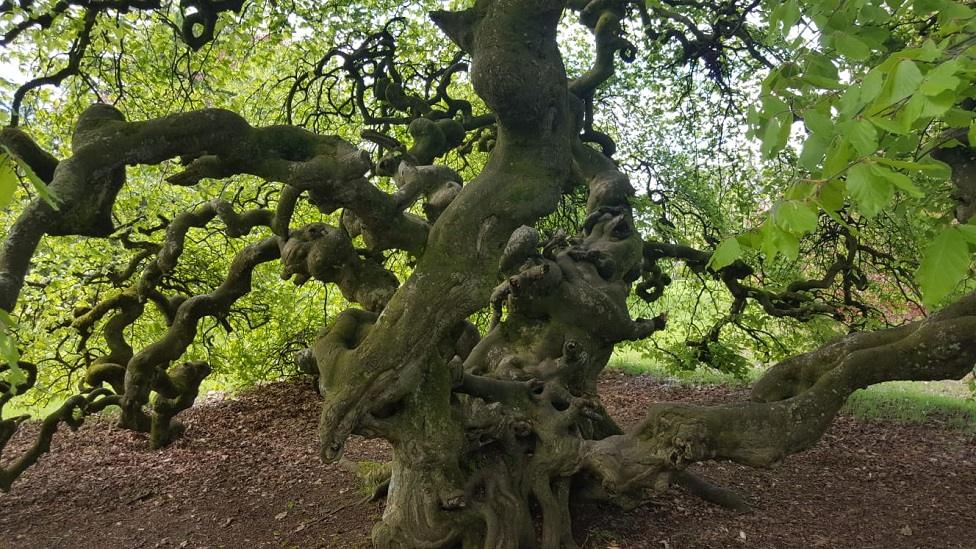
{"points": [[490, 184]]}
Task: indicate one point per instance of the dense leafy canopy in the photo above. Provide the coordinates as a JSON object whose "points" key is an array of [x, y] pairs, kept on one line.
{"points": [[843, 103]]}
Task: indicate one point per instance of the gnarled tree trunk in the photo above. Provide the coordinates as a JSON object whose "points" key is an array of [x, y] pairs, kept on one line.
{"points": [[484, 436]]}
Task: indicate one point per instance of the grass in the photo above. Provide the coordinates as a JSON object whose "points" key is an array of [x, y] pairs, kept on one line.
{"points": [[632, 362], [915, 402], [949, 402]]}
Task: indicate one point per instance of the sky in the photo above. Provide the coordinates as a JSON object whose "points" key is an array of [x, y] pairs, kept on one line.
{"points": [[11, 72]]}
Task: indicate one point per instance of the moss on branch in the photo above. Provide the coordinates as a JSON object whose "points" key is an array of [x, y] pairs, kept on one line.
{"points": [[222, 143], [793, 404], [512, 42], [149, 363]]}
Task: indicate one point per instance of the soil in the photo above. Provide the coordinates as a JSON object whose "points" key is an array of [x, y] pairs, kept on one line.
{"points": [[247, 474]]}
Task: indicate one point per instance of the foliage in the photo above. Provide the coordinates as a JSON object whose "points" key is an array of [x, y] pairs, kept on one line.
{"points": [[868, 91], [872, 127]]}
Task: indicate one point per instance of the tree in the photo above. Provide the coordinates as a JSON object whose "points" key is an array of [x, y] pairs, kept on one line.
{"points": [[486, 425]]}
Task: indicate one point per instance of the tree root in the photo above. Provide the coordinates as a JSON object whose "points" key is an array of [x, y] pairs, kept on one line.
{"points": [[711, 493]]}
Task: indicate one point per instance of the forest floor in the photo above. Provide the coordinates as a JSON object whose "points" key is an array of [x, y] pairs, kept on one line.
{"points": [[247, 474]]}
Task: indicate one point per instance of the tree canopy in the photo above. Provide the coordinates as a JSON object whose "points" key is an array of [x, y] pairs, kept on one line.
{"points": [[489, 199]]}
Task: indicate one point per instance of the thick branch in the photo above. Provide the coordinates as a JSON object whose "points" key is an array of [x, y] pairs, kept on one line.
{"points": [[511, 43], [72, 413], [86, 183], [41, 162], [793, 405], [143, 369]]}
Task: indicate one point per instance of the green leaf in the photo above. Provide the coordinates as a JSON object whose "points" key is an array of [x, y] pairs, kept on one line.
{"points": [[850, 102], [819, 123], [935, 169], [795, 216], [968, 231], [902, 145], [899, 180], [778, 126], [791, 16], [927, 6], [784, 16], [889, 125], [8, 345], [928, 53], [800, 190], [944, 264], [851, 47], [751, 239], [862, 136], [777, 119], [838, 156], [725, 254], [42, 189], [907, 165], [820, 71], [873, 14], [770, 138], [776, 241], [912, 111], [902, 83], [8, 180], [6, 320], [941, 78], [872, 85], [925, 107], [971, 136], [813, 152], [870, 192], [16, 376], [956, 10], [45, 193], [958, 118], [938, 105], [831, 196]]}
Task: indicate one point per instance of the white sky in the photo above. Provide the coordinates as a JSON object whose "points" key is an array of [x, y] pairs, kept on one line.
{"points": [[12, 72]]}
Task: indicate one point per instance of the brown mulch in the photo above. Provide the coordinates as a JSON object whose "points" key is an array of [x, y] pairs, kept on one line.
{"points": [[247, 474]]}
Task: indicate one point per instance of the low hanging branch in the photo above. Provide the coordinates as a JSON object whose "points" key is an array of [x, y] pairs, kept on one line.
{"points": [[222, 144], [85, 185], [798, 300], [197, 29], [72, 413], [793, 403]]}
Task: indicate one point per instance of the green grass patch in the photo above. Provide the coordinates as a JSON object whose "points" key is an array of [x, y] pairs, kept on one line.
{"points": [[632, 362], [915, 402]]}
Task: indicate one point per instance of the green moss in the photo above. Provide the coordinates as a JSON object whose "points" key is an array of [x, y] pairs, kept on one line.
{"points": [[371, 475]]}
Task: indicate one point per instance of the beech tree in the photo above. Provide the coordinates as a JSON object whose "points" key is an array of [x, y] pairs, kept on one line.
{"points": [[863, 112]]}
